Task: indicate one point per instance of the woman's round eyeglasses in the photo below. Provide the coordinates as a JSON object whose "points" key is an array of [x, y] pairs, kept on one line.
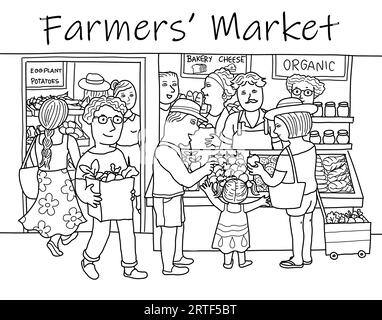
{"points": [[103, 119], [306, 92]]}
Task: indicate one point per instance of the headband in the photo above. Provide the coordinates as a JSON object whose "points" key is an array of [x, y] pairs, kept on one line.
{"points": [[217, 79]]}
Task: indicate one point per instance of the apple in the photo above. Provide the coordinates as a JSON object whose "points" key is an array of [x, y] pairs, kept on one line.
{"points": [[252, 160]]}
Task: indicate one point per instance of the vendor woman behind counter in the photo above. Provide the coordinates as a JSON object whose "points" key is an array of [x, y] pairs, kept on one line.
{"points": [[246, 129]]}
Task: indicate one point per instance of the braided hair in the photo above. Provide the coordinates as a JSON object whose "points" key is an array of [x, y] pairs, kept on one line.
{"points": [[52, 114]]}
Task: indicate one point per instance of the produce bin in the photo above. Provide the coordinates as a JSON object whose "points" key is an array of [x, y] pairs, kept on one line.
{"points": [[347, 238], [345, 233]]}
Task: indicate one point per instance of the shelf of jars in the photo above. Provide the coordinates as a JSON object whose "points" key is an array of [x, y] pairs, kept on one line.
{"points": [[333, 119]]}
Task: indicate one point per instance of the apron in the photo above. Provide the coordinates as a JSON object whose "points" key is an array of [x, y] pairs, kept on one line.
{"points": [[251, 138]]}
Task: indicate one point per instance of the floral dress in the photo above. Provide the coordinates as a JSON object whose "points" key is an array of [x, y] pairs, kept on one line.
{"points": [[56, 210], [232, 232]]}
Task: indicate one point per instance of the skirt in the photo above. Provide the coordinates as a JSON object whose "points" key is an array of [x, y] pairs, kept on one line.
{"points": [[56, 210], [232, 233]]}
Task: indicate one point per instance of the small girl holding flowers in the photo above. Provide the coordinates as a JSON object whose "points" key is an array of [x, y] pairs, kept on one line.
{"points": [[232, 233]]}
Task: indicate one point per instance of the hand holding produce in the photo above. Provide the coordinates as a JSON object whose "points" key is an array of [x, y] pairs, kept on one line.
{"points": [[256, 170], [253, 160]]}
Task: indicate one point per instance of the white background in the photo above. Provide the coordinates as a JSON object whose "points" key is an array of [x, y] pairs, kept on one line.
{"points": [[358, 33]]}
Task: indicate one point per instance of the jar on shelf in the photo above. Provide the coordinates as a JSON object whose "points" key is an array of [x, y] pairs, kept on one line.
{"points": [[329, 137], [343, 109], [315, 137], [330, 109], [343, 136], [319, 112]]}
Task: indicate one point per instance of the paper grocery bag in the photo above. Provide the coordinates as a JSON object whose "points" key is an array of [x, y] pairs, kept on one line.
{"points": [[116, 201]]}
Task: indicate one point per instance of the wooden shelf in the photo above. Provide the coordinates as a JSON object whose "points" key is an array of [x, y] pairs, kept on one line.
{"points": [[335, 146], [333, 119]]}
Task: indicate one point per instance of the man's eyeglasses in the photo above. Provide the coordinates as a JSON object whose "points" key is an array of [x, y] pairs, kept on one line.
{"points": [[306, 92], [103, 119]]}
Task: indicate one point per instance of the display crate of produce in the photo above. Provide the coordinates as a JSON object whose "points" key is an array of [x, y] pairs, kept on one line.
{"points": [[347, 233], [336, 177]]}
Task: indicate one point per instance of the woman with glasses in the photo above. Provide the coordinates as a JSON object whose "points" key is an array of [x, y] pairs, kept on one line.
{"points": [[105, 115], [305, 88]]}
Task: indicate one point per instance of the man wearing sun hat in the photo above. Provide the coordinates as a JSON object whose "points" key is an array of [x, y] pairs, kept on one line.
{"points": [[170, 177]]}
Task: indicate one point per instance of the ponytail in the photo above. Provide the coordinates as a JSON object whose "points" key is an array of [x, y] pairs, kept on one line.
{"points": [[217, 189], [46, 151]]}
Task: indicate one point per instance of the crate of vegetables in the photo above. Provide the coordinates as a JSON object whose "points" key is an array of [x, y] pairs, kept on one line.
{"points": [[116, 189], [347, 233]]}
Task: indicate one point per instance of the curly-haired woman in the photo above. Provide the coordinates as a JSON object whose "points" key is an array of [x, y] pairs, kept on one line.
{"points": [[247, 128], [105, 115], [305, 88], [55, 214]]}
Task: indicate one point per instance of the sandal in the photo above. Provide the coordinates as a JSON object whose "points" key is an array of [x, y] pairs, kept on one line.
{"points": [[289, 264], [306, 263], [54, 250]]}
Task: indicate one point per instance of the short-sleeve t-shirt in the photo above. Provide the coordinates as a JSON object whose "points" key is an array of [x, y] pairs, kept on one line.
{"points": [[105, 161], [305, 166]]}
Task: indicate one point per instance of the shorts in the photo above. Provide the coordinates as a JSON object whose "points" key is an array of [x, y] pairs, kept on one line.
{"points": [[169, 211], [308, 204]]}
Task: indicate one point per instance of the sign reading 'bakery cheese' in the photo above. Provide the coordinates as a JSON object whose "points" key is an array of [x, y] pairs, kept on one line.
{"points": [[322, 66], [45, 75], [200, 65]]}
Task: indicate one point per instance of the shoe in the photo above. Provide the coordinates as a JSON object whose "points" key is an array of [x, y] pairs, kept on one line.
{"points": [[54, 250], [176, 271], [306, 263], [289, 264], [135, 274], [184, 261], [228, 266], [90, 270], [245, 264], [65, 241]]}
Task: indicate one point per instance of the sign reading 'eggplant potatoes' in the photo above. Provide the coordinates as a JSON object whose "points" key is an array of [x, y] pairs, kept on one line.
{"points": [[45, 75], [200, 65], [325, 67]]}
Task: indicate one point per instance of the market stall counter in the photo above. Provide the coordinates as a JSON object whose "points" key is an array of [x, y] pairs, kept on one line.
{"points": [[337, 182]]}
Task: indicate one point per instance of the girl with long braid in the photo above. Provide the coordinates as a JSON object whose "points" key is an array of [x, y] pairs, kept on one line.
{"points": [[55, 214]]}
